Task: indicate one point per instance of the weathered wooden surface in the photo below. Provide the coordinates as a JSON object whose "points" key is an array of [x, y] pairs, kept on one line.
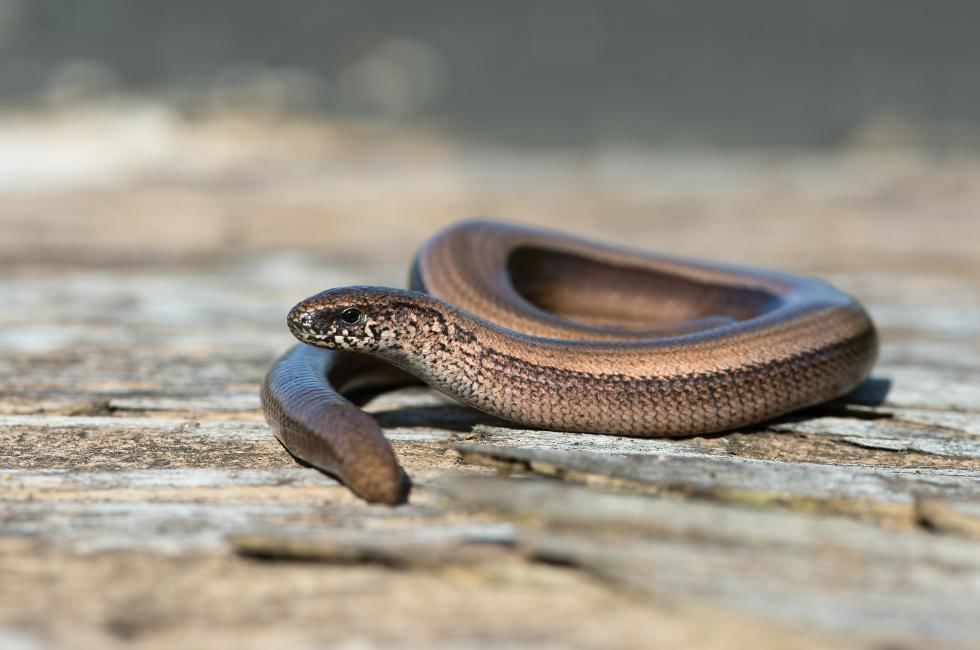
{"points": [[144, 502]]}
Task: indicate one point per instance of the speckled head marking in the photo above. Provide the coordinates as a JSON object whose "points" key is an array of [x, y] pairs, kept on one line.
{"points": [[364, 319]]}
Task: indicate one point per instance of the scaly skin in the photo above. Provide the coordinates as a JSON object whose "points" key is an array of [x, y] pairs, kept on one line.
{"points": [[554, 332]]}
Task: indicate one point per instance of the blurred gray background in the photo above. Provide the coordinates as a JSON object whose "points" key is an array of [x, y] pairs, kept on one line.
{"points": [[566, 73]]}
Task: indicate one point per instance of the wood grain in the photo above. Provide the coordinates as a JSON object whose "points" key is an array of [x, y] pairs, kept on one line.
{"points": [[143, 501]]}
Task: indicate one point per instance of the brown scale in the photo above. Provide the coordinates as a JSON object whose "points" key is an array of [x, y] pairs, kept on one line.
{"points": [[555, 332]]}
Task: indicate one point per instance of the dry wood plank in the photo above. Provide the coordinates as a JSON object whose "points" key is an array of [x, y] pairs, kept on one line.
{"points": [[136, 471], [832, 573], [886, 493], [944, 434]]}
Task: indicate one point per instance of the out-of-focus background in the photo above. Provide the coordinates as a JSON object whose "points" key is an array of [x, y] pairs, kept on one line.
{"points": [[175, 175], [250, 125], [546, 73]]}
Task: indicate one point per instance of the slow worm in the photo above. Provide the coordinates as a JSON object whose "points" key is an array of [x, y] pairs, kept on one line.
{"points": [[555, 332]]}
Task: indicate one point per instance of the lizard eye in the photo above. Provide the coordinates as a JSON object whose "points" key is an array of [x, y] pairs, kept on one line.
{"points": [[352, 316]]}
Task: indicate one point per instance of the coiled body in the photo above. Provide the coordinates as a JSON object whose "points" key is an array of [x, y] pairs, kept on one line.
{"points": [[556, 332]]}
